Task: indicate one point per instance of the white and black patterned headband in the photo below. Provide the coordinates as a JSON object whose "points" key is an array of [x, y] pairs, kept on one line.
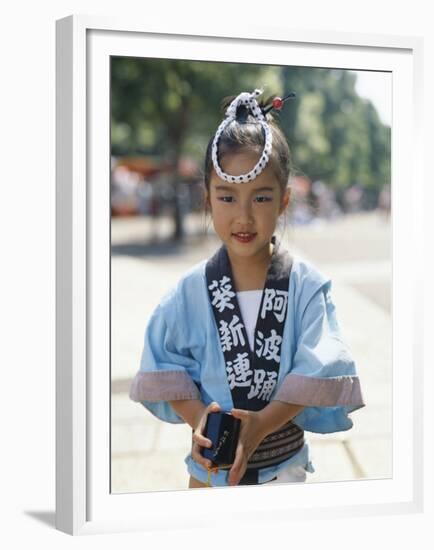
{"points": [[248, 100]]}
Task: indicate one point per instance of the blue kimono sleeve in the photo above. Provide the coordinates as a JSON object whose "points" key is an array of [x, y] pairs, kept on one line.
{"points": [[167, 372], [323, 375]]}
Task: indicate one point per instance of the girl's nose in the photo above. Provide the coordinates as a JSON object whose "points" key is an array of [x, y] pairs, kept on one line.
{"points": [[244, 213]]}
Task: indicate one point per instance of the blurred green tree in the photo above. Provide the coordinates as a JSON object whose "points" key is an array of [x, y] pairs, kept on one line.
{"points": [[336, 135]]}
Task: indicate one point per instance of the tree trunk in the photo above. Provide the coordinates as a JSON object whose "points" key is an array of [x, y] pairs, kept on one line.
{"points": [[178, 217], [177, 137]]}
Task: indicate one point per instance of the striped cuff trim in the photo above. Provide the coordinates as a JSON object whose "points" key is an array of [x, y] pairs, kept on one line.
{"points": [[320, 392], [163, 386]]}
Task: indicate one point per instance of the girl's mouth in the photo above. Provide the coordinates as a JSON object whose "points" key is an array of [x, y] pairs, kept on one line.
{"points": [[244, 237]]}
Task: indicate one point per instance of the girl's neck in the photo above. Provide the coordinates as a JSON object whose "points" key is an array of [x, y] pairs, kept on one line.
{"points": [[250, 273]]}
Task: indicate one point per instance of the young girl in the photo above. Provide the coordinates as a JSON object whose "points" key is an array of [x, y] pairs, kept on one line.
{"points": [[251, 331]]}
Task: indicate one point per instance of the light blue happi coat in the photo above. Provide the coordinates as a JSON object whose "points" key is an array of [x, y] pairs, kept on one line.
{"points": [[182, 359]]}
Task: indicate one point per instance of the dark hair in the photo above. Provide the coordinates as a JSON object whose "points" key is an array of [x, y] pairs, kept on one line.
{"points": [[245, 134]]}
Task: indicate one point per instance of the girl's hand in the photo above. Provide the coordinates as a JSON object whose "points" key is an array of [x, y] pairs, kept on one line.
{"points": [[199, 440], [252, 432]]}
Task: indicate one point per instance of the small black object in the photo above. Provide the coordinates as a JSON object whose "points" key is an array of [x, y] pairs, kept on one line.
{"points": [[223, 430]]}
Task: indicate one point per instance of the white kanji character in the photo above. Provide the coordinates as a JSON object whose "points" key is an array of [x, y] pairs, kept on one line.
{"points": [[225, 336], [239, 371], [223, 294], [268, 386], [275, 301], [269, 347], [258, 378], [231, 335], [280, 303], [262, 388]]}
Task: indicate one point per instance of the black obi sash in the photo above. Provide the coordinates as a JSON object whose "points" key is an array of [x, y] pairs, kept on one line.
{"points": [[252, 374]]}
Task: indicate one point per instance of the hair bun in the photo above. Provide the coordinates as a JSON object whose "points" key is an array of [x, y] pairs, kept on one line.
{"points": [[243, 113]]}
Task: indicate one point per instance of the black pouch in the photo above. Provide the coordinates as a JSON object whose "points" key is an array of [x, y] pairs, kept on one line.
{"points": [[223, 430]]}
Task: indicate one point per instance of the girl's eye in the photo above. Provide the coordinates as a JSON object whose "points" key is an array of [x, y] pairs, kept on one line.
{"points": [[263, 198], [226, 198]]}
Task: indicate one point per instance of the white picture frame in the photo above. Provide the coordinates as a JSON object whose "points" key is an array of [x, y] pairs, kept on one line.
{"points": [[84, 46]]}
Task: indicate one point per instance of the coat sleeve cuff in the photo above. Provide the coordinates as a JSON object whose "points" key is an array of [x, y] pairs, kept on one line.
{"points": [[320, 392], [163, 386]]}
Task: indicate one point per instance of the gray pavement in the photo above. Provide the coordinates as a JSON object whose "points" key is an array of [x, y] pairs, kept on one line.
{"points": [[147, 454]]}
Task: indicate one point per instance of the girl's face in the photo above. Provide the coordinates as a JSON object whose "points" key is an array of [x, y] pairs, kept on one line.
{"points": [[245, 214]]}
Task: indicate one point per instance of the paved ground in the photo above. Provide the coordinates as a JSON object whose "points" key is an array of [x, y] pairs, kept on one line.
{"points": [[147, 454]]}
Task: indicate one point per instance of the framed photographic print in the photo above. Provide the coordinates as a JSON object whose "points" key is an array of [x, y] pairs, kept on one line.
{"points": [[136, 107]]}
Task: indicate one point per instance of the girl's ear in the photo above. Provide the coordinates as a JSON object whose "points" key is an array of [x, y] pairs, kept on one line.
{"points": [[285, 200]]}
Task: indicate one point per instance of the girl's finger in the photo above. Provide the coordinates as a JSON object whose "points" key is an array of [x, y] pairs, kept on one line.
{"points": [[201, 440], [240, 413], [214, 407], [202, 423], [239, 456], [197, 457], [234, 472]]}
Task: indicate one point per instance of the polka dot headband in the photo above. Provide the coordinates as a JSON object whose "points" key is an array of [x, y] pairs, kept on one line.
{"points": [[248, 100]]}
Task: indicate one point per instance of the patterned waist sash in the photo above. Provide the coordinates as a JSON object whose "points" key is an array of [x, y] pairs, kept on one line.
{"points": [[277, 447]]}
